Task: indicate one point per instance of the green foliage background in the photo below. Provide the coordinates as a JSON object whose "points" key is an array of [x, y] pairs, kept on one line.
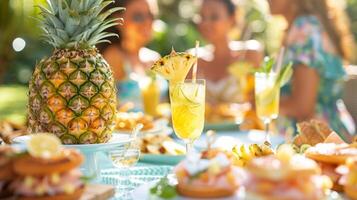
{"points": [[352, 13], [175, 28]]}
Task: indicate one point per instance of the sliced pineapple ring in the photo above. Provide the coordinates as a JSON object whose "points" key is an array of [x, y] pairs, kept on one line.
{"points": [[175, 66], [44, 145]]}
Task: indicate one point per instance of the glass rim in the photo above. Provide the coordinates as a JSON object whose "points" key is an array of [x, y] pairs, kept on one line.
{"points": [[263, 74], [198, 81]]}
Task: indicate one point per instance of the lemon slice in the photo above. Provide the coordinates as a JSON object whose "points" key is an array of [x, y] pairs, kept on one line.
{"points": [[44, 145], [173, 148], [192, 93], [267, 96]]}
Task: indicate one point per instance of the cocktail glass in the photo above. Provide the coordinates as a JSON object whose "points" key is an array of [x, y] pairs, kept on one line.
{"points": [[267, 95], [187, 110]]}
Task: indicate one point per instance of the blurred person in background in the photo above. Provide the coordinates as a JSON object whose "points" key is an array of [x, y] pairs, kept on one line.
{"points": [[127, 54], [317, 42], [215, 20], [226, 65]]}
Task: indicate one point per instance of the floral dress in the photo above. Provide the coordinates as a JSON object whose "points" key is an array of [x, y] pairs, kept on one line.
{"points": [[307, 43]]}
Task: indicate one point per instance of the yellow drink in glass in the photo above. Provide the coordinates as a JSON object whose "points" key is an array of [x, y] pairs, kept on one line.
{"points": [[267, 98], [187, 109], [267, 103], [150, 94]]}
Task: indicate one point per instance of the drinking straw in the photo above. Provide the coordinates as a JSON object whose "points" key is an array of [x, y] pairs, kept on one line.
{"points": [[280, 59], [245, 37], [194, 71]]}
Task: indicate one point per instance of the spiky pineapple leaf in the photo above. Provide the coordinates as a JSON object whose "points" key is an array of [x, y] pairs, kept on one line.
{"points": [[77, 23]]}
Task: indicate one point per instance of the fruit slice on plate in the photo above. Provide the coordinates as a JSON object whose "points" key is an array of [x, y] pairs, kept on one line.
{"points": [[44, 145], [175, 66], [174, 148]]}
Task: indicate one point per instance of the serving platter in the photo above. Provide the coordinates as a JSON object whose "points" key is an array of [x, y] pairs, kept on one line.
{"points": [[227, 140], [160, 127], [143, 193], [91, 166], [164, 159]]}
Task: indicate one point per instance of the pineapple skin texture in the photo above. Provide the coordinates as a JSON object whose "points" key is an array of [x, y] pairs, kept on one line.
{"points": [[72, 95]]}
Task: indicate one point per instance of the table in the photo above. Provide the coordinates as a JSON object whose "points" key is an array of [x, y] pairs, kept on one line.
{"points": [[147, 172]]}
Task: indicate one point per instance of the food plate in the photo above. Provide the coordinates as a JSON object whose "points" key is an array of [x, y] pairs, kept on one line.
{"points": [[91, 166], [228, 139], [160, 127], [161, 158], [115, 141], [143, 193]]}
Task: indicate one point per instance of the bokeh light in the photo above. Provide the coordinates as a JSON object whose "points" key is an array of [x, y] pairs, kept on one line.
{"points": [[18, 44]]}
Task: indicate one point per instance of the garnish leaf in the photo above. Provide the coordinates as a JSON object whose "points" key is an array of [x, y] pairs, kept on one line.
{"points": [[284, 75], [268, 64], [266, 67], [87, 179], [164, 189]]}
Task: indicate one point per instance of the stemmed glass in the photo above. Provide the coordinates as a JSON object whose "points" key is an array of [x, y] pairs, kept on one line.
{"points": [[266, 99], [239, 110], [188, 108], [128, 156]]}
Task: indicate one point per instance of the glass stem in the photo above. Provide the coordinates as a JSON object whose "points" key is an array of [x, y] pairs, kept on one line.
{"points": [[189, 146], [238, 121], [267, 125]]}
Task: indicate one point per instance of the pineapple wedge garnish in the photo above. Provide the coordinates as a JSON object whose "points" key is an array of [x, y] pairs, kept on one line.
{"points": [[175, 66]]}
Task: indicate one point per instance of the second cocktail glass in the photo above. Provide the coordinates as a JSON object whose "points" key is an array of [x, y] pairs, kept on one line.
{"points": [[187, 109], [267, 95]]}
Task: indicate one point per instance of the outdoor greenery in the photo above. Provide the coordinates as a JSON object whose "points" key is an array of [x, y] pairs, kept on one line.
{"points": [[174, 28], [351, 9], [13, 100]]}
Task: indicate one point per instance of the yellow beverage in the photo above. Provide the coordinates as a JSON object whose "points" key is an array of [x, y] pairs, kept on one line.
{"points": [[187, 109], [267, 103], [248, 90], [150, 94], [242, 72], [266, 96]]}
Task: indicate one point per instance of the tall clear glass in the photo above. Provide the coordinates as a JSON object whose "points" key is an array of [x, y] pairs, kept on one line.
{"points": [[150, 94], [188, 110], [267, 99]]}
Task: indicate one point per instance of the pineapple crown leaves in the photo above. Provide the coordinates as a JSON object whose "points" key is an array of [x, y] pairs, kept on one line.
{"points": [[77, 24]]}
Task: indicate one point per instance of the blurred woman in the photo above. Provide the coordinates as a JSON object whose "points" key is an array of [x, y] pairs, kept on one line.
{"points": [[127, 55], [317, 42], [216, 20]]}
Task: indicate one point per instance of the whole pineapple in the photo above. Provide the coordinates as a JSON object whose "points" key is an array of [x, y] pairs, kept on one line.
{"points": [[72, 93]]}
